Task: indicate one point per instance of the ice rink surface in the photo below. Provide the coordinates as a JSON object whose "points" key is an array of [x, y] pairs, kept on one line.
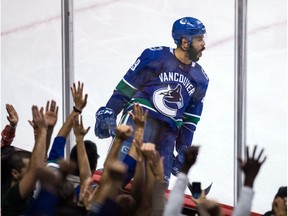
{"points": [[111, 34]]}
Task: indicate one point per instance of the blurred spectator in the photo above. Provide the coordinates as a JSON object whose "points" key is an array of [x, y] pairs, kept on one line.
{"points": [[8, 133], [279, 205], [176, 196], [58, 146], [250, 168], [7, 137], [19, 192], [104, 198]]}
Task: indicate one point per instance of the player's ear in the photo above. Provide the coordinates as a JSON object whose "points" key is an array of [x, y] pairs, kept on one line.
{"points": [[184, 43]]}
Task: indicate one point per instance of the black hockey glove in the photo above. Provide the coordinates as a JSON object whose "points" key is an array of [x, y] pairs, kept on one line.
{"points": [[105, 123]]}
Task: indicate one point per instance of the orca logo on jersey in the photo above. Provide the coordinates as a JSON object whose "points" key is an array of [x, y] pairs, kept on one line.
{"points": [[168, 101]]}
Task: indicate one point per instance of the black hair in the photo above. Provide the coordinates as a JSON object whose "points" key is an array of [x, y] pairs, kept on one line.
{"points": [[91, 151], [12, 161], [282, 192]]}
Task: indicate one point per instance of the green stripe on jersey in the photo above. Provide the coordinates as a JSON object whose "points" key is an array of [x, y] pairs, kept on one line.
{"points": [[143, 102], [189, 118], [125, 89], [146, 104]]}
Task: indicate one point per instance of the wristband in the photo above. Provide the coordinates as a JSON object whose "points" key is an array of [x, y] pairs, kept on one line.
{"points": [[77, 110]]}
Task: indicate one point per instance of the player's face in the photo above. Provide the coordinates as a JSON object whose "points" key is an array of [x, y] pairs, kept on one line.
{"points": [[195, 50]]}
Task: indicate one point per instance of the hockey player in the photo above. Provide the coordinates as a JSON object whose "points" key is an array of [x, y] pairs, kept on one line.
{"points": [[171, 86]]}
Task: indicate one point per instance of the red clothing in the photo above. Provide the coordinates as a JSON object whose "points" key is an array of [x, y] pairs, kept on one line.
{"points": [[8, 135]]}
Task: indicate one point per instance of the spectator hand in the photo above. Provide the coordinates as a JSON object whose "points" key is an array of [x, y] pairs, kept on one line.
{"points": [[252, 166], [190, 157], [78, 127], [105, 123], [51, 113], [12, 115], [77, 94], [139, 117], [123, 131], [38, 117]]}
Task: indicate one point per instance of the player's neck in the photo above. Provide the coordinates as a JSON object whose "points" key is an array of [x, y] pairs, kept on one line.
{"points": [[182, 56]]}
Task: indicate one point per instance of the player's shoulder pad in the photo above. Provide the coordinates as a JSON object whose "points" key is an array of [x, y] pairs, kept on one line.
{"points": [[200, 74], [155, 52]]}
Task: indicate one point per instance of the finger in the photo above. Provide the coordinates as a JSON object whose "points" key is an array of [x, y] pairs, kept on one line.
{"points": [[85, 99], [72, 91], [12, 107], [139, 110], [74, 88], [57, 110], [130, 113], [254, 151], [8, 108], [135, 108], [53, 105], [145, 115], [81, 87], [34, 111], [87, 129], [264, 159], [31, 123], [41, 112], [47, 106], [247, 152], [261, 152]]}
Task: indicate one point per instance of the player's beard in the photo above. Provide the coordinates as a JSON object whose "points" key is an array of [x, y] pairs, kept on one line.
{"points": [[193, 54]]}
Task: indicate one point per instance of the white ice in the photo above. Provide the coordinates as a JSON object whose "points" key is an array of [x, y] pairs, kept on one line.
{"points": [[111, 34]]}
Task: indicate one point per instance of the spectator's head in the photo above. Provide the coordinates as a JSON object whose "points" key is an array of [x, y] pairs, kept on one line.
{"points": [[91, 150], [282, 192], [128, 204], [17, 165]]}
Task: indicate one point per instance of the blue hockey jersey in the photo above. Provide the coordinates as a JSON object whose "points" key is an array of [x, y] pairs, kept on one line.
{"points": [[173, 92]]}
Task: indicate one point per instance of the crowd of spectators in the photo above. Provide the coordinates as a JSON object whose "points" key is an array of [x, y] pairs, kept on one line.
{"points": [[45, 183]]}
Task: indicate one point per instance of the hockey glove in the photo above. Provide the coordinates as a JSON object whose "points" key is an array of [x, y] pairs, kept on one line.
{"points": [[105, 123]]}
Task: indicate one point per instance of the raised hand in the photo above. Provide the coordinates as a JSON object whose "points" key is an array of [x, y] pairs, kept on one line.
{"points": [[12, 115], [154, 160], [123, 131], [149, 151], [51, 113], [138, 116], [86, 192], [38, 117], [78, 127], [191, 154], [77, 94], [251, 166]]}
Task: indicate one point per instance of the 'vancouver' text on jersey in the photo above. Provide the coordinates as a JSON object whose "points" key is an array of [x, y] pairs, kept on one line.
{"points": [[172, 91]]}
